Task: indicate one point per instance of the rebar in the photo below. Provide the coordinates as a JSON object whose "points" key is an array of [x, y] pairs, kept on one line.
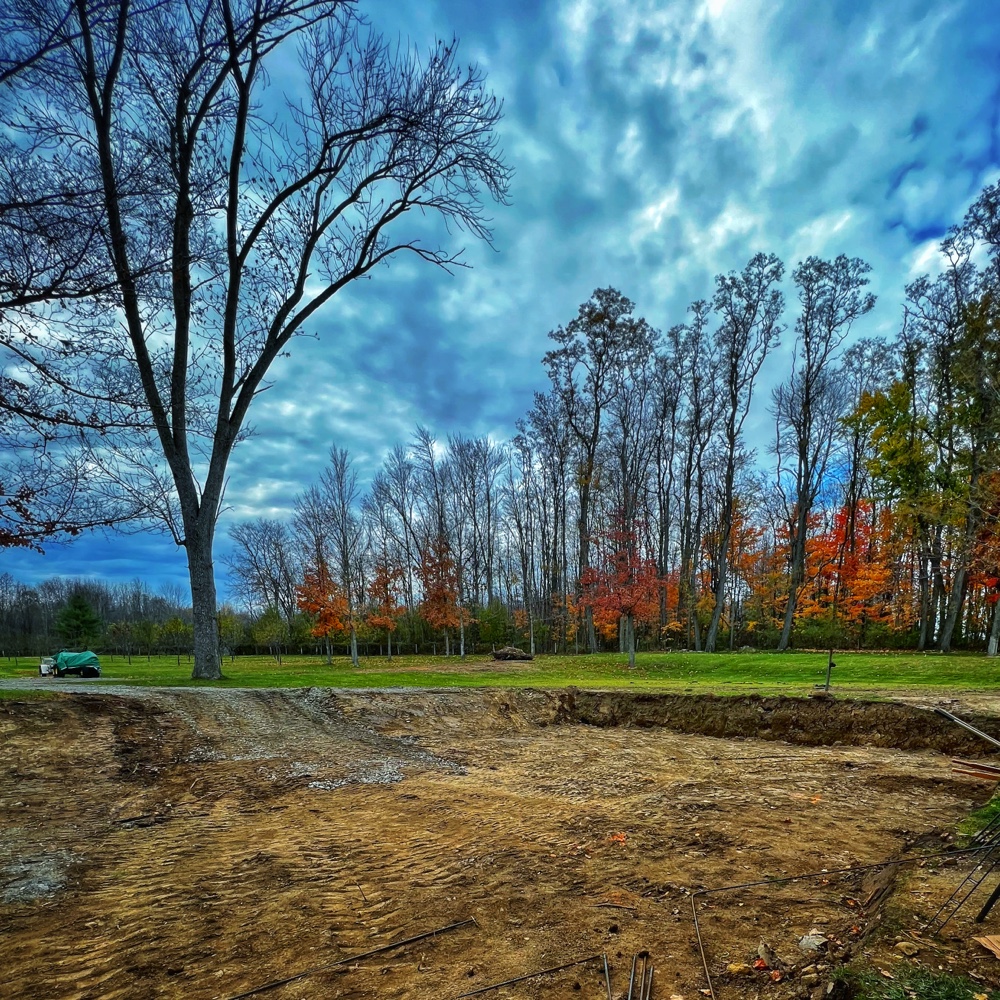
{"points": [[965, 725], [795, 878], [642, 972], [533, 975], [988, 905], [353, 958], [987, 832], [986, 864]]}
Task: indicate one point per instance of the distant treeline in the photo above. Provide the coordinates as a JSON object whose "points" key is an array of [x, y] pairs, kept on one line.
{"points": [[631, 508]]}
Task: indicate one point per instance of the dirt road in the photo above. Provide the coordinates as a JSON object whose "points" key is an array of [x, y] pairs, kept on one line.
{"points": [[203, 843]]}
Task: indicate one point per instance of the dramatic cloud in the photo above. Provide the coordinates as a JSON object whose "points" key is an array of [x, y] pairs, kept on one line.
{"points": [[655, 145]]}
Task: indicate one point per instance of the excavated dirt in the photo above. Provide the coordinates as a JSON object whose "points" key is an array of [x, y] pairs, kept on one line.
{"points": [[205, 843]]}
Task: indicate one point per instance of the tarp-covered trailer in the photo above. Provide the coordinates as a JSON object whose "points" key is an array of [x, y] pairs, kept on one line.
{"points": [[72, 664]]}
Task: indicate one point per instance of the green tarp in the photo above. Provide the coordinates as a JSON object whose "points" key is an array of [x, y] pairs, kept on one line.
{"points": [[64, 660]]}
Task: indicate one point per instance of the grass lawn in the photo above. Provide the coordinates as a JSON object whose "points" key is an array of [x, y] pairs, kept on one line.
{"points": [[793, 673]]}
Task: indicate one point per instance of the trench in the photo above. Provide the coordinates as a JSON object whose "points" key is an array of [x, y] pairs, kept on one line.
{"points": [[797, 721]]}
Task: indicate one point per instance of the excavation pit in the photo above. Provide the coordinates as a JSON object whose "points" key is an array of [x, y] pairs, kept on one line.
{"points": [[203, 843]]}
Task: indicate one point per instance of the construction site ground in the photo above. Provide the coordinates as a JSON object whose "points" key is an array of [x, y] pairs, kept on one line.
{"points": [[203, 843]]}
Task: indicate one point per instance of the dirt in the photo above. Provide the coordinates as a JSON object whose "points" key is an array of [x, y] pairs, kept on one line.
{"points": [[205, 843]]}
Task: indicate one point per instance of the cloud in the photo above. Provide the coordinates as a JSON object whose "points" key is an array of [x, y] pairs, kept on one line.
{"points": [[655, 145]]}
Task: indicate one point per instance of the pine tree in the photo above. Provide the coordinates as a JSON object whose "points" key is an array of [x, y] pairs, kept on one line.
{"points": [[78, 624]]}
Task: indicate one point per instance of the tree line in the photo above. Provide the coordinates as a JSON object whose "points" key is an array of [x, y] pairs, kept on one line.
{"points": [[173, 214], [630, 506], [61, 613], [128, 619]]}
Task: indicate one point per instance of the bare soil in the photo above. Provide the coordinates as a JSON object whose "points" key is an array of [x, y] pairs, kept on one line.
{"points": [[205, 843]]}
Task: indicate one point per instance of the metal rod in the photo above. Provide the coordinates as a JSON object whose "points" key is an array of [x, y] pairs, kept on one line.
{"points": [[354, 958], [981, 774], [988, 832], [990, 903], [642, 971], [975, 765], [531, 975], [795, 878], [607, 976], [985, 862], [976, 883], [966, 725]]}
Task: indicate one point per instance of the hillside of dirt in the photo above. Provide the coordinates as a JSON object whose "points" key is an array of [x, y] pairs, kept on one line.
{"points": [[207, 843]]}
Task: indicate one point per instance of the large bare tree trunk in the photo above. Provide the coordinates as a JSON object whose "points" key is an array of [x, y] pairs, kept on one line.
{"points": [[207, 659]]}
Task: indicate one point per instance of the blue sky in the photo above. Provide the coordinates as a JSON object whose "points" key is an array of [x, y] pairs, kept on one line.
{"points": [[654, 145]]}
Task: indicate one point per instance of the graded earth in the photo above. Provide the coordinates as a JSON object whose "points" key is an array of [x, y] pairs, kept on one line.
{"points": [[207, 843]]}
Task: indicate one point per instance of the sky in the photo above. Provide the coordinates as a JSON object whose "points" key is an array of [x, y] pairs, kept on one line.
{"points": [[654, 145]]}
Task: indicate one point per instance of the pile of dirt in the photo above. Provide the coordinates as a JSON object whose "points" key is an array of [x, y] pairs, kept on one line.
{"points": [[511, 653]]}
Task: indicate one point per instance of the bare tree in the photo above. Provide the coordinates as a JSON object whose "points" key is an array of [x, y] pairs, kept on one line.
{"points": [[208, 220], [601, 341], [666, 417], [263, 567], [808, 407], [341, 497], [697, 364], [476, 464], [392, 503], [749, 305], [523, 507], [545, 439]]}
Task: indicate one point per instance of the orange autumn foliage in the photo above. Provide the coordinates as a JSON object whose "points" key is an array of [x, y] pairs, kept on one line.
{"points": [[320, 596], [436, 571], [385, 593], [621, 583]]}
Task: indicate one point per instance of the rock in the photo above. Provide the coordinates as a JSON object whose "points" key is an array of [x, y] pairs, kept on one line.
{"points": [[907, 948], [739, 969], [511, 653]]}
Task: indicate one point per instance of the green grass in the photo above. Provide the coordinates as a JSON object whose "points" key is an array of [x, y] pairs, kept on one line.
{"points": [[13, 695], [797, 673], [978, 819], [911, 982]]}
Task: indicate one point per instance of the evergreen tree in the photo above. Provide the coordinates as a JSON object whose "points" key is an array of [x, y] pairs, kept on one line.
{"points": [[78, 624]]}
